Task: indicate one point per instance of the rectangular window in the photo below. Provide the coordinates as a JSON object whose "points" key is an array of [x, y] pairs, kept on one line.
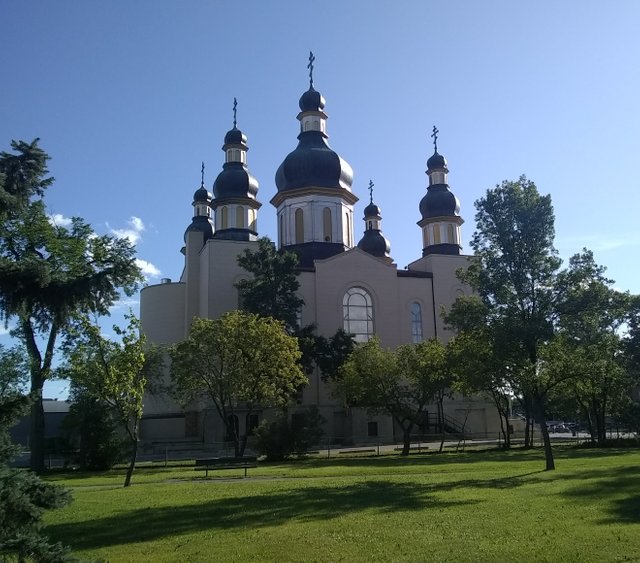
{"points": [[253, 422], [372, 428]]}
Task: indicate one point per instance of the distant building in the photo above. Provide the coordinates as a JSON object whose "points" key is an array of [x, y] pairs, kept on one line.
{"points": [[54, 413], [344, 283]]}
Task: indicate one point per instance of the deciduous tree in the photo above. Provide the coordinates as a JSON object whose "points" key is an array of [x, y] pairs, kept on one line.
{"points": [[241, 362], [401, 383], [514, 273], [115, 372]]}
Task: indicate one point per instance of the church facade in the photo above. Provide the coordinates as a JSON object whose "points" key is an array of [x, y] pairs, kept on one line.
{"points": [[349, 284]]}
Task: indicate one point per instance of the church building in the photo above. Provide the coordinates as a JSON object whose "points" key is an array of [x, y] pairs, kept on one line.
{"points": [[347, 275]]}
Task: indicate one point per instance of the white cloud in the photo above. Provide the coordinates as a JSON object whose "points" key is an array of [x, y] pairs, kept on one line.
{"points": [[597, 243], [125, 303], [59, 220], [148, 269], [133, 230]]}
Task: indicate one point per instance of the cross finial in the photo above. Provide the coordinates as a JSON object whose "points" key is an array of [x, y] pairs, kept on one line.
{"points": [[371, 184], [310, 67], [235, 109], [435, 138], [202, 175]]}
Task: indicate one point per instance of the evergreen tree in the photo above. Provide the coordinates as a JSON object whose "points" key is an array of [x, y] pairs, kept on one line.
{"points": [[50, 275], [23, 496]]}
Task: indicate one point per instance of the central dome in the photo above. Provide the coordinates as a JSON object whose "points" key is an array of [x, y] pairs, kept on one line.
{"points": [[313, 164]]}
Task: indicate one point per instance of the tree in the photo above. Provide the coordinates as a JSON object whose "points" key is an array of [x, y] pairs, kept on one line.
{"points": [[400, 383], [514, 273], [242, 362], [23, 496], [92, 432], [116, 373], [271, 291], [591, 314], [51, 275], [279, 438]]}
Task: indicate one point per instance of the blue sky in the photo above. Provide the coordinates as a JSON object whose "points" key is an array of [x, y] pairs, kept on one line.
{"points": [[129, 97]]}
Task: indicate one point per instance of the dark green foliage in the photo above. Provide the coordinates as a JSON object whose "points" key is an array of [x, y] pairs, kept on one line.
{"points": [[282, 437], [327, 354], [24, 497], [92, 433], [514, 273], [22, 175], [49, 274], [271, 291]]}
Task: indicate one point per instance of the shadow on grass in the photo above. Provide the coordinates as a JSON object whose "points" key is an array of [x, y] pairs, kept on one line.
{"points": [[302, 505], [616, 487]]}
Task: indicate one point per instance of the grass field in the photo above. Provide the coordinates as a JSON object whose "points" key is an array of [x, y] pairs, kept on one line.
{"points": [[488, 506]]}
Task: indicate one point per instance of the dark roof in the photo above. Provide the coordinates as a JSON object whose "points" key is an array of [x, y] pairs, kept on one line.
{"points": [[372, 210], [439, 202], [235, 137], [313, 163], [236, 181], [200, 224], [374, 243], [436, 161], [311, 100], [202, 194]]}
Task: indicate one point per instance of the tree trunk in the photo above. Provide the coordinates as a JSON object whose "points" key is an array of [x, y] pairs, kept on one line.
{"points": [[548, 451], [36, 433], [132, 463], [441, 421], [406, 440]]}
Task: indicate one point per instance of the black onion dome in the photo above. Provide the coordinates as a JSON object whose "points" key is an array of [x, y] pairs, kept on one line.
{"points": [[311, 100], [436, 161], [235, 137], [372, 210], [439, 202], [313, 163], [202, 195], [200, 224], [374, 243], [235, 181]]}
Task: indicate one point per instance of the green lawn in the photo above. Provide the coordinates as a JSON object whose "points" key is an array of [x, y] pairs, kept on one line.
{"points": [[489, 506]]}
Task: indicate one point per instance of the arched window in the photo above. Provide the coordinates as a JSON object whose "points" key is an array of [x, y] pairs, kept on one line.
{"points": [[240, 217], [281, 227], [326, 224], [425, 232], [224, 218], [252, 220], [357, 309], [416, 322], [299, 226], [451, 234]]}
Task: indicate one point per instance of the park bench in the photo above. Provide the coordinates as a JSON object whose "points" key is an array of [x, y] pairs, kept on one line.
{"points": [[214, 463]]}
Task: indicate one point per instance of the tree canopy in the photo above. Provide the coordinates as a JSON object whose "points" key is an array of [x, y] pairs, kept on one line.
{"points": [[50, 275], [115, 372], [242, 362], [271, 291], [401, 383], [514, 273]]}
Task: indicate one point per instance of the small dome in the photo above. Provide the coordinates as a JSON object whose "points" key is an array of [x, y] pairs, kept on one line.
{"points": [[436, 161], [235, 181], [235, 137], [202, 195], [374, 243], [372, 210], [311, 100], [200, 224], [439, 202]]}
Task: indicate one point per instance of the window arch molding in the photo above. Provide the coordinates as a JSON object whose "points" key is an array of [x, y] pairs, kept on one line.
{"points": [[358, 313]]}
